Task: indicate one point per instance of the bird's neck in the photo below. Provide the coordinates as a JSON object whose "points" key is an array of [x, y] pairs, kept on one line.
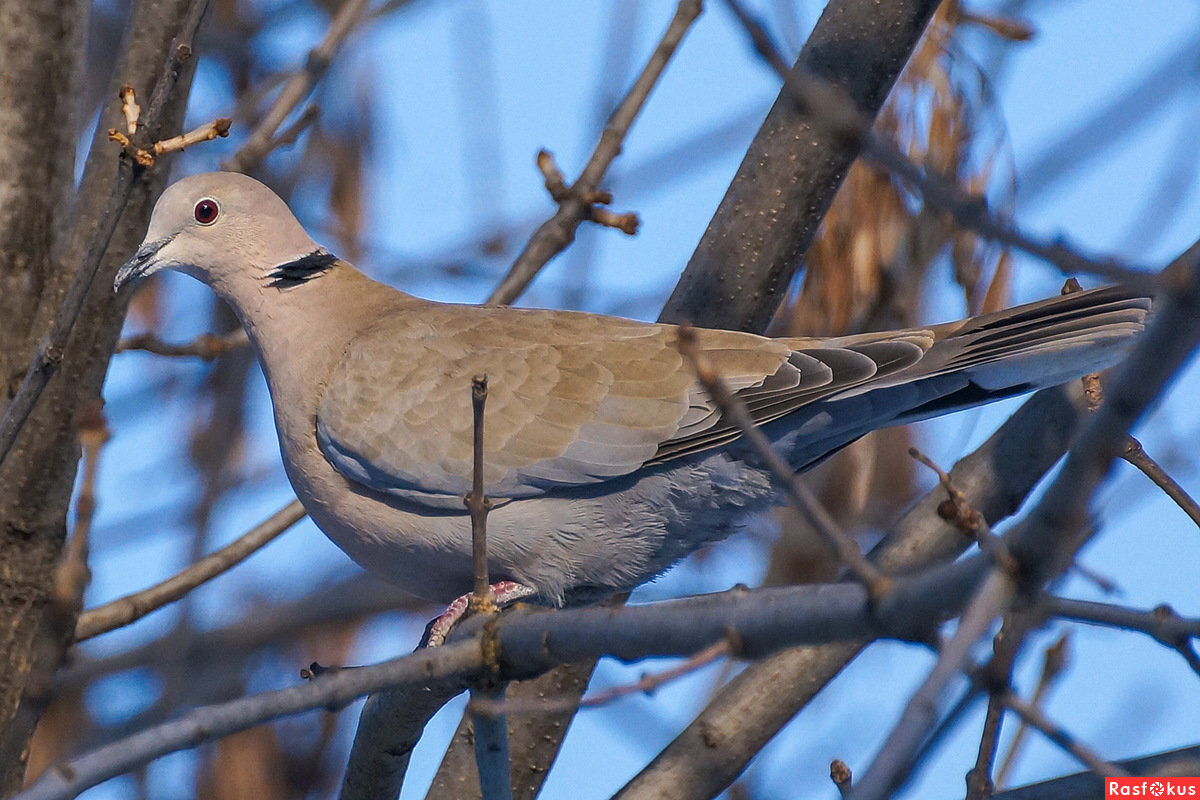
{"points": [[299, 323]]}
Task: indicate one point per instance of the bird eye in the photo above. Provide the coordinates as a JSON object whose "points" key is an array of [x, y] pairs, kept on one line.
{"points": [[206, 211]]}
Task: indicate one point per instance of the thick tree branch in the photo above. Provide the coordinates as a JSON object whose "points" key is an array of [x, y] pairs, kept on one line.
{"points": [[50, 352], [1089, 785], [38, 472], [786, 182]]}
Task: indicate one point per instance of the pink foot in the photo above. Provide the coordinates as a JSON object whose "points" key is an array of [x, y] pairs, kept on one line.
{"points": [[503, 593]]}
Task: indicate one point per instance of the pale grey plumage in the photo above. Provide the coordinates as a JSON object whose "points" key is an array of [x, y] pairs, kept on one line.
{"points": [[606, 461]]}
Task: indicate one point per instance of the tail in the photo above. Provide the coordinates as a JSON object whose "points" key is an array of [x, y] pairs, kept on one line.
{"points": [[973, 362]]}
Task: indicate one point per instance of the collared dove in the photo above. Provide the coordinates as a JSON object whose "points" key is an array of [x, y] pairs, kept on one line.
{"points": [[606, 462]]}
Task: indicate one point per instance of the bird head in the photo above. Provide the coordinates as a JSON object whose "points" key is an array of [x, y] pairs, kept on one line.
{"points": [[219, 227]]}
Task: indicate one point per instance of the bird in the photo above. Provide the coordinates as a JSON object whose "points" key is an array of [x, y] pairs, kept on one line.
{"points": [[605, 461]]}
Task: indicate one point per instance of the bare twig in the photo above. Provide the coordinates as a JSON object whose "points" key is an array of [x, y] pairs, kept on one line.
{"points": [[1054, 659], [997, 678], [130, 608], [1138, 457], [145, 157], [51, 349], [956, 510], [206, 346], [205, 133], [291, 133], [842, 777], [832, 108], [262, 139], [1033, 717], [1134, 453], [848, 552], [130, 108], [979, 778], [476, 502], [1162, 623], [578, 202], [491, 730]]}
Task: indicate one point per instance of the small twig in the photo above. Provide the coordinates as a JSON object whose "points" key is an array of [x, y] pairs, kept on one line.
{"points": [[578, 202], [958, 512], [205, 133], [477, 503], [146, 157], [1162, 623], [206, 346], [1033, 717], [842, 777], [291, 133], [73, 575], [556, 182], [1138, 457], [129, 108], [130, 608], [996, 677], [848, 552], [593, 199], [647, 684], [626, 222], [831, 108], [1054, 660], [1133, 452], [262, 139]]}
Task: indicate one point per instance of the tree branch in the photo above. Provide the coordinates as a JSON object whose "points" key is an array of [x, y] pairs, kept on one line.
{"points": [[263, 140], [576, 204], [1089, 785], [132, 607], [50, 352], [744, 262], [526, 641]]}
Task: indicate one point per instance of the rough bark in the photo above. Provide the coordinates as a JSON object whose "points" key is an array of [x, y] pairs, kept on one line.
{"points": [[40, 250]]}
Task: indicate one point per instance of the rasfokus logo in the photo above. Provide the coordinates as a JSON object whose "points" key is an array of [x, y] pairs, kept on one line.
{"points": [[1151, 787]]}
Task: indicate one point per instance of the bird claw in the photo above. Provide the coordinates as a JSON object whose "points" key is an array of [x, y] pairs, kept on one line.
{"points": [[502, 593]]}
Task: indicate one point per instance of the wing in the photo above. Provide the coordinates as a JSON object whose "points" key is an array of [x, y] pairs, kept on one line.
{"points": [[573, 399], [577, 399]]}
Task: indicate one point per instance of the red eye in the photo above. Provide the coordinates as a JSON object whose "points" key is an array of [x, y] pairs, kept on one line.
{"points": [[206, 211]]}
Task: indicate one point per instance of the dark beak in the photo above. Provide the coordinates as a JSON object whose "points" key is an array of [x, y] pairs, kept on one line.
{"points": [[141, 264]]}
